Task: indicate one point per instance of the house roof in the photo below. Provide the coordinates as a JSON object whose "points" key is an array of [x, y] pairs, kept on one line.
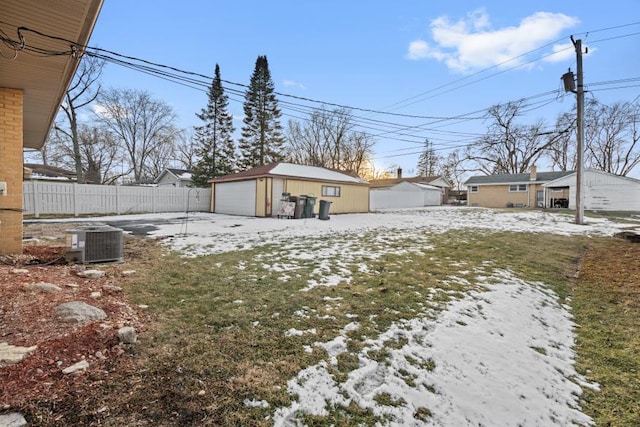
{"points": [[389, 182], [516, 178], [290, 170], [181, 174], [47, 171], [43, 78], [563, 179]]}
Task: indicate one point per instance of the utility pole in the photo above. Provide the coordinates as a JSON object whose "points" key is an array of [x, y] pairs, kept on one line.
{"points": [[580, 134], [569, 86]]}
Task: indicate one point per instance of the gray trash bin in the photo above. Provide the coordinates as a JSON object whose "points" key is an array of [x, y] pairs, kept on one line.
{"points": [[300, 202], [324, 209]]}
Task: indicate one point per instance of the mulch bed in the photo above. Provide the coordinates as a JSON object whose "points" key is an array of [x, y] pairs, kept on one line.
{"points": [[27, 318]]}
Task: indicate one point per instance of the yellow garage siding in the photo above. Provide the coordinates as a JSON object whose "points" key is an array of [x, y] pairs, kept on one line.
{"points": [[261, 196], [353, 198]]}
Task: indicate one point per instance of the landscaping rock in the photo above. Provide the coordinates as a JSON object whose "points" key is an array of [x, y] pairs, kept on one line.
{"points": [[12, 419], [19, 271], [111, 288], [80, 366], [96, 295], [14, 354], [78, 311], [44, 287], [91, 274], [128, 272], [127, 335]]}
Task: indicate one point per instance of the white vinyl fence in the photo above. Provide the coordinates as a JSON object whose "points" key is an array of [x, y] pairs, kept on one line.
{"points": [[45, 197]]}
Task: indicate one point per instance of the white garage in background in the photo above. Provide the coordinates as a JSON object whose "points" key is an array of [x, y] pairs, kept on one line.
{"points": [[236, 198], [405, 195], [602, 191]]}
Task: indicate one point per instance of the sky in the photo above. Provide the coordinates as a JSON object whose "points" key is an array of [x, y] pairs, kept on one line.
{"points": [[503, 352], [409, 70]]}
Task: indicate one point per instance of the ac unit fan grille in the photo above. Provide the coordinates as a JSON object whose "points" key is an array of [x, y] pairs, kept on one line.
{"points": [[94, 244], [103, 245]]}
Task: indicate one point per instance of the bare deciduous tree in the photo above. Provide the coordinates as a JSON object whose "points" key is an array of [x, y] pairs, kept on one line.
{"points": [[328, 139], [84, 89], [612, 136], [144, 125], [509, 147], [187, 149], [562, 152]]}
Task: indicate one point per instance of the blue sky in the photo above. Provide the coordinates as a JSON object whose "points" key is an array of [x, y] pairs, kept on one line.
{"points": [[437, 60]]}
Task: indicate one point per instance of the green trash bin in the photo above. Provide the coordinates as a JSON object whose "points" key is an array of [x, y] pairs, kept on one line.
{"points": [[308, 207], [323, 213]]}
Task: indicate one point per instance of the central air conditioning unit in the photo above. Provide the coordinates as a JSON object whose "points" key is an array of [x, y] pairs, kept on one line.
{"points": [[94, 244]]}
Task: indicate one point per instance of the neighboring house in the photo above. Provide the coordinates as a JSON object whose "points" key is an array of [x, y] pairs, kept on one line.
{"points": [[515, 190], [602, 191], [405, 195], [436, 181], [47, 173], [174, 177], [258, 191], [32, 87]]}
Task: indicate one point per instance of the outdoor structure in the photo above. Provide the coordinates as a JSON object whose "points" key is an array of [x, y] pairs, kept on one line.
{"points": [[405, 195], [602, 191], [32, 87], [47, 173], [174, 178], [515, 190], [258, 192], [435, 181]]}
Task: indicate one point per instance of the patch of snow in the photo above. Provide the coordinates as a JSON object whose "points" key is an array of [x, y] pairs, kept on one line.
{"points": [[478, 363]]}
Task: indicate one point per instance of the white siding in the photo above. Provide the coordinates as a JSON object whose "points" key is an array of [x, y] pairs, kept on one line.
{"points": [[409, 196], [42, 197], [603, 191], [236, 198]]}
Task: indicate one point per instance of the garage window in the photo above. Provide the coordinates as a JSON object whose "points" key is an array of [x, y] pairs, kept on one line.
{"points": [[473, 188], [330, 191], [515, 188]]}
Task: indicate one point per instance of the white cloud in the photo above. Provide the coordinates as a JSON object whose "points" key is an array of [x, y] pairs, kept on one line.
{"points": [[472, 43], [292, 83]]}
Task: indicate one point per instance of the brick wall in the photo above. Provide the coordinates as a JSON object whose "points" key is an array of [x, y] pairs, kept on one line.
{"points": [[11, 144]]}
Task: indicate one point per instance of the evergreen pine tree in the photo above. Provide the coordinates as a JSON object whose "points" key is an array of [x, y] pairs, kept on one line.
{"points": [[428, 160], [262, 140], [216, 150]]}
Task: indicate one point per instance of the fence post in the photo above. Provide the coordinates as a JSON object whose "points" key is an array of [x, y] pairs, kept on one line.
{"points": [[36, 199], [117, 199], [76, 204]]}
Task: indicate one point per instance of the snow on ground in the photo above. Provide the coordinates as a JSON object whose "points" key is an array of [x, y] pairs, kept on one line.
{"points": [[502, 356], [497, 358], [211, 233], [200, 233]]}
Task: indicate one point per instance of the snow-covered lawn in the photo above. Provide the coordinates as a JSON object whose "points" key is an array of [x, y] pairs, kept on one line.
{"points": [[501, 355]]}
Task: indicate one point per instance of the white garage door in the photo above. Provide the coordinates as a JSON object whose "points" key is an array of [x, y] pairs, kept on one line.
{"points": [[236, 198]]}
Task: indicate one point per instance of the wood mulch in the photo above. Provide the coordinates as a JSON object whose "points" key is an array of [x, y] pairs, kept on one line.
{"points": [[27, 318]]}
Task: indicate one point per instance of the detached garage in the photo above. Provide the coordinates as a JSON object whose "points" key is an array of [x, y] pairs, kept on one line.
{"points": [[405, 195], [602, 191], [258, 191]]}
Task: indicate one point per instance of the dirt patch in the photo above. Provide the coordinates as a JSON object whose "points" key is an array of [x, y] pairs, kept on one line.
{"points": [[27, 318]]}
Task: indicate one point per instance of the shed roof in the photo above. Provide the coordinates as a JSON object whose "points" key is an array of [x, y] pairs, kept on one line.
{"points": [[389, 182], [291, 170]]}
